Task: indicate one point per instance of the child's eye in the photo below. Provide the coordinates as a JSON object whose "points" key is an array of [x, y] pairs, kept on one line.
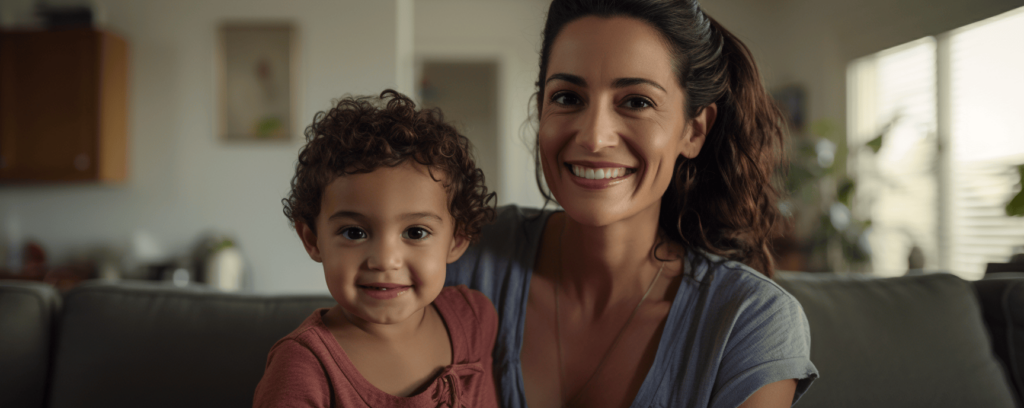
{"points": [[415, 233], [354, 234]]}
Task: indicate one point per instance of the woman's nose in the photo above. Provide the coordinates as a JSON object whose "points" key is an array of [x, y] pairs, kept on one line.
{"points": [[386, 255], [597, 129]]}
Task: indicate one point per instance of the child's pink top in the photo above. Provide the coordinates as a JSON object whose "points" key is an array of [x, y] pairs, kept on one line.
{"points": [[308, 368]]}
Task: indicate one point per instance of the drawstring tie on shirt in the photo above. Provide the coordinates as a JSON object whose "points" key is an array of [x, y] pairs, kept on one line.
{"points": [[449, 393]]}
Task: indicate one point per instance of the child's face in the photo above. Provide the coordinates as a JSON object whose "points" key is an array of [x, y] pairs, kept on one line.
{"points": [[384, 239]]}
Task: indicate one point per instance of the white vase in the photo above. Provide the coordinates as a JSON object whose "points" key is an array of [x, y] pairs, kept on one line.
{"points": [[224, 269]]}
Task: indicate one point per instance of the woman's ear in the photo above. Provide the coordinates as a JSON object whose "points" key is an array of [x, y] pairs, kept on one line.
{"points": [[697, 132], [308, 237], [457, 248]]}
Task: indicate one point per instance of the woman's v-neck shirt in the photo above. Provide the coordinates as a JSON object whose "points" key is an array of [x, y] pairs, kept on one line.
{"points": [[730, 330]]}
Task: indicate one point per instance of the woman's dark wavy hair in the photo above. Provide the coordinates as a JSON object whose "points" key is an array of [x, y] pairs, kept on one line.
{"points": [[724, 200], [361, 134]]}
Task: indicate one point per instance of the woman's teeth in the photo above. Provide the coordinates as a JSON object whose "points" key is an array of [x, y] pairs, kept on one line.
{"points": [[598, 174]]}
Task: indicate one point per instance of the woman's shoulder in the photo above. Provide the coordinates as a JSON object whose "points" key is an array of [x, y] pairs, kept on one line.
{"points": [[732, 279], [752, 305], [767, 338], [504, 255]]}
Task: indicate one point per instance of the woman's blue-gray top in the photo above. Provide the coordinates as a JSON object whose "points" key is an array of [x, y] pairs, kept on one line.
{"points": [[730, 329]]}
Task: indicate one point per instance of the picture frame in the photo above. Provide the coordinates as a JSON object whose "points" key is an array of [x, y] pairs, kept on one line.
{"points": [[256, 81]]}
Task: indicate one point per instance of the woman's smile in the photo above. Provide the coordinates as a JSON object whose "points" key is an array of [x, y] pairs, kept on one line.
{"points": [[598, 175]]}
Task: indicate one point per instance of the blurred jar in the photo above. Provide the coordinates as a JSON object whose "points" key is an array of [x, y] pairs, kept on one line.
{"points": [[223, 266]]}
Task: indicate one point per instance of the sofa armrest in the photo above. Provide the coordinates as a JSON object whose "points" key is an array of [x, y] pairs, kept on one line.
{"points": [[1002, 304], [27, 313]]}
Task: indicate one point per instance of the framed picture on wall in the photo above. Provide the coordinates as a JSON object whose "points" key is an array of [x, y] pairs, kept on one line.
{"points": [[256, 80]]}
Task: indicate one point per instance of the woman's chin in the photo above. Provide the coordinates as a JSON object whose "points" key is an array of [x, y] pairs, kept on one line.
{"points": [[592, 213], [595, 212]]}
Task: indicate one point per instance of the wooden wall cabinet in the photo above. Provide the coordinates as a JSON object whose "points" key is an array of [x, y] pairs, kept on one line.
{"points": [[63, 106]]}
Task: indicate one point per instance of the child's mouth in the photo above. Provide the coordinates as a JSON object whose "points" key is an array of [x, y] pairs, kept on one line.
{"points": [[384, 290]]}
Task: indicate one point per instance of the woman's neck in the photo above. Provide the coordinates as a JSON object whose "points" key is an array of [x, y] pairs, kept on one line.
{"points": [[604, 266]]}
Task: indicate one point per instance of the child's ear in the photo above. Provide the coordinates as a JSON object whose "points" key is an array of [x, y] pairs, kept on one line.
{"points": [[458, 247], [308, 238]]}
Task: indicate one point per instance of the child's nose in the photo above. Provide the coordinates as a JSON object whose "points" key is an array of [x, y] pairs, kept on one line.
{"points": [[386, 256]]}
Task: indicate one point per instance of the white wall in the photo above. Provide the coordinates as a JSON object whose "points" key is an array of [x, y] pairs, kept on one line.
{"points": [[183, 180], [506, 31]]}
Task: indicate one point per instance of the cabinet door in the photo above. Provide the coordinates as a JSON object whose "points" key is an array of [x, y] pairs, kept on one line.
{"points": [[49, 105]]}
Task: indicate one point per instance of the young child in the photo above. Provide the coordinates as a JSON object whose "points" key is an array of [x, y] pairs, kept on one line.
{"points": [[385, 196]]}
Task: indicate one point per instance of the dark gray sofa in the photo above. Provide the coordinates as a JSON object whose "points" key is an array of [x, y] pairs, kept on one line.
{"points": [[922, 341]]}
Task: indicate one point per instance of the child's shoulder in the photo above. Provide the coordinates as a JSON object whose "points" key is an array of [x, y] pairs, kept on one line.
{"points": [[471, 313], [309, 327], [464, 299], [307, 337], [295, 368]]}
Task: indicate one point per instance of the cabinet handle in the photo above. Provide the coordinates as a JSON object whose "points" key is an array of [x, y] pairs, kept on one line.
{"points": [[82, 162]]}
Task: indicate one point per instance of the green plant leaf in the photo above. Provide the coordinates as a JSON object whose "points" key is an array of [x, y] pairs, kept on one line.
{"points": [[845, 192], [824, 128], [876, 143], [1015, 208], [266, 127]]}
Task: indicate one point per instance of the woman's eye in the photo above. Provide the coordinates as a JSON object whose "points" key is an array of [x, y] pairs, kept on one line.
{"points": [[637, 103], [566, 98], [354, 234], [415, 233]]}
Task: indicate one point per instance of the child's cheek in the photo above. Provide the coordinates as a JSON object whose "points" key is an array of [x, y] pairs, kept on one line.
{"points": [[429, 271]]}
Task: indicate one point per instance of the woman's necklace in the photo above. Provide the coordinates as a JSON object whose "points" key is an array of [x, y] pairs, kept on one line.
{"points": [[558, 330]]}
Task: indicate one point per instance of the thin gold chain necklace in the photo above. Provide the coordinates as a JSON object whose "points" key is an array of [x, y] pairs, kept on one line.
{"points": [[558, 330]]}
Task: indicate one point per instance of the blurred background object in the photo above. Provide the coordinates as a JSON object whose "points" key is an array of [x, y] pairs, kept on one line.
{"points": [[905, 120], [219, 263], [256, 61]]}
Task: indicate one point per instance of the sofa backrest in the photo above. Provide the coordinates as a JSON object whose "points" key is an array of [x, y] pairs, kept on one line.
{"points": [[27, 314], [154, 345], [915, 341]]}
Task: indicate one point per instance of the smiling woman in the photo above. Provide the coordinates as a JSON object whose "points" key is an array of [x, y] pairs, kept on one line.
{"points": [[658, 140]]}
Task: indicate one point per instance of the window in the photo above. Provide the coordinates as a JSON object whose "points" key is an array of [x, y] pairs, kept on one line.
{"points": [[950, 113]]}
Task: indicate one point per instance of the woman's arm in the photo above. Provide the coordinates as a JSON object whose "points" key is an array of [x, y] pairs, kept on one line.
{"points": [[778, 394]]}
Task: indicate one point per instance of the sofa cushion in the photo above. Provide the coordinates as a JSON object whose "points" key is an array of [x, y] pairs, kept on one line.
{"points": [[27, 313], [1002, 305], [915, 341], [154, 345]]}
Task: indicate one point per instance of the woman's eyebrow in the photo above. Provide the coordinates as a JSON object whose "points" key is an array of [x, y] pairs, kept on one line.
{"points": [[618, 83], [624, 82], [570, 78]]}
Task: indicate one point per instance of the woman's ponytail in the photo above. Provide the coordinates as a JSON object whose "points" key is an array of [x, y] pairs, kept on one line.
{"points": [[724, 201]]}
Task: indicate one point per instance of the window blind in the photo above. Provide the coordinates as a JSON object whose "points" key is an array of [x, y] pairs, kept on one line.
{"points": [[986, 141], [941, 182], [894, 95]]}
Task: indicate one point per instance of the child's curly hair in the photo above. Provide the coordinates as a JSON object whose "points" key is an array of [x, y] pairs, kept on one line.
{"points": [[361, 134]]}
